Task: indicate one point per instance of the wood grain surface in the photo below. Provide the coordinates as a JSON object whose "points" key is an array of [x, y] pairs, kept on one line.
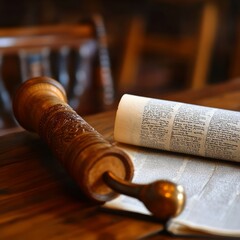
{"points": [[38, 200]]}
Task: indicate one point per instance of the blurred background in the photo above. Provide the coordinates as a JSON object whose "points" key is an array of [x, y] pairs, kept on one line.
{"points": [[155, 46]]}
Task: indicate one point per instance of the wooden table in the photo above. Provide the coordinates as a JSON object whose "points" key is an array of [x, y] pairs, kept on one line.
{"points": [[38, 200]]}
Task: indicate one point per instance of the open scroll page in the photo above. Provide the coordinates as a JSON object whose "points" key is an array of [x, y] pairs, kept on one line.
{"points": [[178, 127], [212, 186]]}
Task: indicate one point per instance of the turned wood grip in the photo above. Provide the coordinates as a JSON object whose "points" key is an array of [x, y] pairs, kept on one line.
{"points": [[40, 106]]}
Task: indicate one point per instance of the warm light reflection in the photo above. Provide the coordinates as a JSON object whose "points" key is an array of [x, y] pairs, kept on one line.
{"points": [[167, 195]]}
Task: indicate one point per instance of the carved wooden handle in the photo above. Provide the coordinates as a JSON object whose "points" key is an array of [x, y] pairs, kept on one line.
{"points": [[40, 106], [98, 167]]}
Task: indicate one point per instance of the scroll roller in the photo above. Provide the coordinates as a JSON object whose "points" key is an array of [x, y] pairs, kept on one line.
{"points": [[101, 170]]}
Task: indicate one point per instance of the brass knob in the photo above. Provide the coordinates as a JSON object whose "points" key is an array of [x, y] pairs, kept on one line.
{"points": [[164, 199]]}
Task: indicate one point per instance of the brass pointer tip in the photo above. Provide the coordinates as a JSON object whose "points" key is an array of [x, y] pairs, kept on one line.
{"points": [[163, 199]]}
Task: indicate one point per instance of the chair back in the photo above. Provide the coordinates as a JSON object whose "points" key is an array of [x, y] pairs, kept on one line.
{"points": [[75, 55]]}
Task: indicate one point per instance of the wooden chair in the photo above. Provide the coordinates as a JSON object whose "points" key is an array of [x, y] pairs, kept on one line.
{"points": [[194, 49], [75, 55]]}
